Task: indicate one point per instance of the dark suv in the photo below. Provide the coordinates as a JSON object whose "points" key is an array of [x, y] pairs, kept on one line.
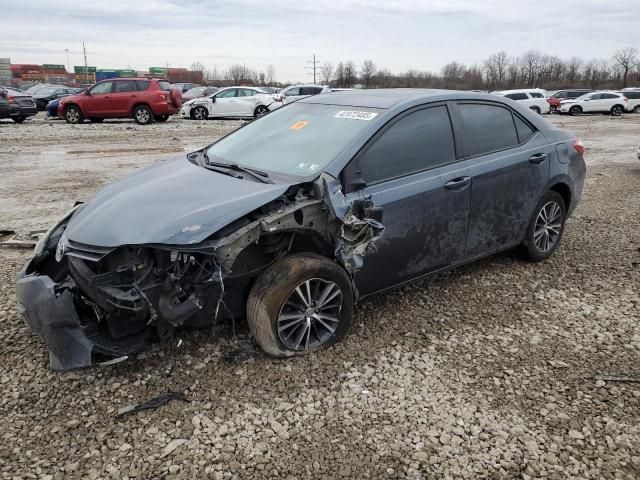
{"points": [[555, 99], [144, 99]]}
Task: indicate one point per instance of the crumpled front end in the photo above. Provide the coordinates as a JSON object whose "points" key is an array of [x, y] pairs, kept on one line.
{"points": [[90, 302]]}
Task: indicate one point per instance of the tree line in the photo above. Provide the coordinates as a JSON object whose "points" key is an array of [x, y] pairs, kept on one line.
{"points": [[499, 71]]}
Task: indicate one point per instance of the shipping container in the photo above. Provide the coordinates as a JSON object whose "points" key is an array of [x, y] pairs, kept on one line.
{"points": [[105, 75], [122, 73], [80, 69]]}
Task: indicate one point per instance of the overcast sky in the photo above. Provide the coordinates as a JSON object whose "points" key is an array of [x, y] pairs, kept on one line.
{"points": [[398, 34]]}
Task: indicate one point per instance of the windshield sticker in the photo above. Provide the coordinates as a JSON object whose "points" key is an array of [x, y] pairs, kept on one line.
{"points": [[308, 167], [299, 125], [355, 115]]}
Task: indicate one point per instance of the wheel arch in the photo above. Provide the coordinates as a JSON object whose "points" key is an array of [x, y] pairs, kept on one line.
{"points": [[563, 188], [140, 104]]}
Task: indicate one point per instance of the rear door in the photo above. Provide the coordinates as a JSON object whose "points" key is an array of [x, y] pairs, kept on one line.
{"points": [[509, 167], [410, 170], [123, 97], [592, 103], [245, 102]]}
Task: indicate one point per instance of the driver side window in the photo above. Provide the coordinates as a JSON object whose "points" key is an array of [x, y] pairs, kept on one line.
{"points": [[294, 92], [101, 88], [228, 93]]}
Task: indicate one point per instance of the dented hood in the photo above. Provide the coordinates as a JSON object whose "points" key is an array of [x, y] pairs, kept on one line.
{"points": [[173, 202]]}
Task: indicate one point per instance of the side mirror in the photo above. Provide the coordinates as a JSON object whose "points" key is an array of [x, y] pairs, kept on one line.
{"points": [[213, 99], [87, 92]]}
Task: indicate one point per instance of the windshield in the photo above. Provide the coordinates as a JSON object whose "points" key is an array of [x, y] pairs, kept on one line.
{"points": [[299, 139]]}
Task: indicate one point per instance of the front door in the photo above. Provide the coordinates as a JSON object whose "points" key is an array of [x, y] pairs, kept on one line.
{"points": [[509, 167], [100, 102], [410, 171], [224, 105]]}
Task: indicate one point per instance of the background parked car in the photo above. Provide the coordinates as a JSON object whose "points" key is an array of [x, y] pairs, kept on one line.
{"points": [[289, 94], [231, 102], [21, 105], [144, 99], [633, 97], [198, 92], [52, 106], [44, 95], [184, 87], [570, 94], [596, 102], [534, 98], [4, 103], [33, 89]]}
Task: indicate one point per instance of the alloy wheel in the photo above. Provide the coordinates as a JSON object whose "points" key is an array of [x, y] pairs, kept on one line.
{"points": [[73, 116], [260, 111], [548, 226], [199, 113], [616, 111], [142, 115], [310, 314]]}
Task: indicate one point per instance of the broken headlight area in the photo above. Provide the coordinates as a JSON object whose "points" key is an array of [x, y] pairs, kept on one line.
{"points": [[113, 306]]}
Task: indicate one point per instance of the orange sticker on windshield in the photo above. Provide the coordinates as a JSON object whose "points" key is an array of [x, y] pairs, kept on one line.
{"points": [[299, 125]]}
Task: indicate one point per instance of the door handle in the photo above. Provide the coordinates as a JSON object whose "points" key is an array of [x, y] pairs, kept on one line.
{"points": [[106, 96], [134, 96], [457, 183], [537, 158]]}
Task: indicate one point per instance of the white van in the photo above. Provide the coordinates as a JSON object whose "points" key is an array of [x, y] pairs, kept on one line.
{"points": [[534, 98]]}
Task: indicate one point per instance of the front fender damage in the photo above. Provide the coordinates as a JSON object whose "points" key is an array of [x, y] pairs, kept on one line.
{"points": [[113, 301]]}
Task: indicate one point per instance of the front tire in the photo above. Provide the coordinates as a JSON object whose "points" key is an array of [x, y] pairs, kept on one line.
{"points": [[617, 110], [300, 304], [96, 120], [143, 115], [199, 113], [73, 115], [575, 110], [546, 227], [637, 109], [19, 119], [537, 110], [260, 111]]}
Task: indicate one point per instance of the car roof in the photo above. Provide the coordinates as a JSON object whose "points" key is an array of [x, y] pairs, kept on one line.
{"points": [[519, 90], [377, 97]]}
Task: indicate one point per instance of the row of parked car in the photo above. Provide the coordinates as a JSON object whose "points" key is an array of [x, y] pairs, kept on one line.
{"points": [[577, 101]]}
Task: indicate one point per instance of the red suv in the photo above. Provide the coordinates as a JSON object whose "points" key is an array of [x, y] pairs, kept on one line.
{"points": [[144, 99]]}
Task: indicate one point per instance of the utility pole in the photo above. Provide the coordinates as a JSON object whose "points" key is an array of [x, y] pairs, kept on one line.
{"points": [[68, 65], [86, 68], [314, 66]]}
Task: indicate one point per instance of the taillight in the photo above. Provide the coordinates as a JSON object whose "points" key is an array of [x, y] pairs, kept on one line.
{"points": [[579, 146], [11, 99], [625, 99]]}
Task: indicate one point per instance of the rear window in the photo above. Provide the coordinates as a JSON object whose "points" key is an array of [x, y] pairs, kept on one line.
{"points": [[488, 128], [517, 96], [143, 84], [166, 86]]}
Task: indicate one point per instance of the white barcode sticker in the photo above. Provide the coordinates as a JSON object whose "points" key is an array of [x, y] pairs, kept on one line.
{"points": [[355, 115]]}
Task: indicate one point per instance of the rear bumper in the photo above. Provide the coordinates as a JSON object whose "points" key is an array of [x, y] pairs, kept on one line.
{"points": [[52, 315], [164, 109], [17, 111]]}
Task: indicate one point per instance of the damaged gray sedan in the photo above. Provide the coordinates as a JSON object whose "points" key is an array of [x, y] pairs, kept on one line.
{"points": [[289, 220]]}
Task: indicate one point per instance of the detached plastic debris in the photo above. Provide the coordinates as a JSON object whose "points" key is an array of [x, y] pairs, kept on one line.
{"points": [[153, 403]]}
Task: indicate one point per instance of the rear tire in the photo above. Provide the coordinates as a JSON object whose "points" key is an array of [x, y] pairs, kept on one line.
{"points": [[199, 113], [162, 118], [546, 227], [143, 115], [284, 323], [18, 119], [617, 110], [575, 110], [73, 115], [96, 120], [637, 109]]}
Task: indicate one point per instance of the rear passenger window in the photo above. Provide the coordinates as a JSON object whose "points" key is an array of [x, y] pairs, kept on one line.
{"points": [[517, 96], [144, 84], [488, 128], [525, 132], [576, 94], [536, 95], [166, 86], [419, 141], [124, 86]]}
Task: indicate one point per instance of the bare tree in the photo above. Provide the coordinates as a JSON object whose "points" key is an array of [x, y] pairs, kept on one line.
{"points": [[350, 74], [572, 71], [326, 73], [339, 76], [452, 74], [367, 72], [236, 74], [627, 59], [496, 69], [198, 67], [270, 75]]}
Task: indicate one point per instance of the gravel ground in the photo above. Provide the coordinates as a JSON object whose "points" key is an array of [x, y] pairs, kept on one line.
{"points": [[485, 372]]}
